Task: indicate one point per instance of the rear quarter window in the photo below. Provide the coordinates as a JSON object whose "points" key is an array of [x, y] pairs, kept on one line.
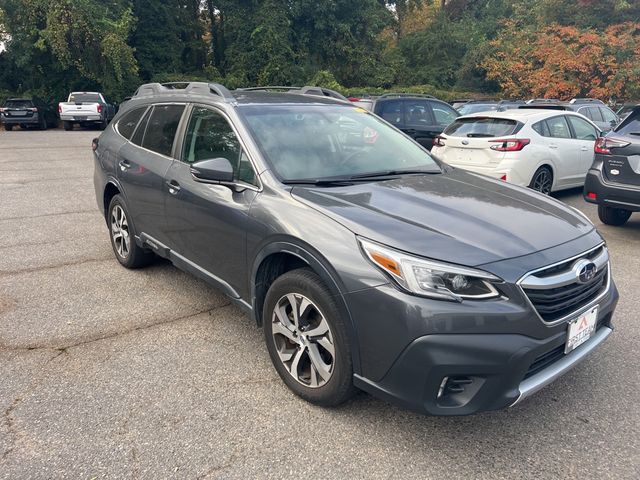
{"points": [[483, 127]]}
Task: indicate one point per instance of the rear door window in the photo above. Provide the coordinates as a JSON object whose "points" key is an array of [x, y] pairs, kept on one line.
{"points": [[417, 113], [127, 124], [583, 129], [594, 114], [608, 115], [558, 127], [482, 127], [162, 127], [443, 114], [391, 111]]}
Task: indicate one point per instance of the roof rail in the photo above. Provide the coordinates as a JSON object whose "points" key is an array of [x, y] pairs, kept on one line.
{"points": [[306, 90], [399, 95], [585, 100], [502, 102], [542, 100], [543, 106], [189, 87]]}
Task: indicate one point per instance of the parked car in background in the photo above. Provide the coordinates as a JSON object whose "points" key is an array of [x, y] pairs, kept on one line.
{"points": [[422, 117], [477, 106], [363, 101], [623, 111], [86, 109], [542, 149], [26, 113], [367, 262], [613, 181], [594, 109]]}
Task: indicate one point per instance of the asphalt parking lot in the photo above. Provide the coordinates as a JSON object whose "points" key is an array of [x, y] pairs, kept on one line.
{"points": [[110, 373]]}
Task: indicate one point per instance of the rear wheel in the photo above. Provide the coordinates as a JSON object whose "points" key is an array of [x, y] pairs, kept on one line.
{"points": [[43, 124], [8, 128], [307, 338], [68, 126], [123, 236], [542, 180], [102, 125], [613, 216]]}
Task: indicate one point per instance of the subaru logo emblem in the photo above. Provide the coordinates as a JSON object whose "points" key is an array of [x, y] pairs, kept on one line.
{"points": [[585, 271]]}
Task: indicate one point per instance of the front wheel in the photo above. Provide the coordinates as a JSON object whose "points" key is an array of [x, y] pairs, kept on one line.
{"points": [[8, 128], [307, 338], [613, 216], [542, 180]]}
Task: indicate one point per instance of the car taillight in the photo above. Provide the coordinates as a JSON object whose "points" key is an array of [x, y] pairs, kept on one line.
{"points": [[438, 141], [509, 144], [592, 196], [604, 145], [59, 108], [33, 109], [99, 108]]}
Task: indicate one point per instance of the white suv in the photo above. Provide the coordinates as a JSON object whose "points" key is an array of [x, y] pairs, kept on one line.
{"points": [[546, 150]]}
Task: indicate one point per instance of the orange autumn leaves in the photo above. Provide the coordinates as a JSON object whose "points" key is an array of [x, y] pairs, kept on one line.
{"points": [[565, 62]]}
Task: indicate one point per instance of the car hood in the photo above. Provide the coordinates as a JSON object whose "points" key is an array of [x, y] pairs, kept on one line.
{"points": [[456, 216]]}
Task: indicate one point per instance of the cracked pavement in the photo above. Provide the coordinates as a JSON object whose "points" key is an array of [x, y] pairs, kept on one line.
{"points": [[110, 373]]}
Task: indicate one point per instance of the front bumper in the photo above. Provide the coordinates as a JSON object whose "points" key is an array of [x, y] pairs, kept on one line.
{"points": [[496, 366], [626, 197]]}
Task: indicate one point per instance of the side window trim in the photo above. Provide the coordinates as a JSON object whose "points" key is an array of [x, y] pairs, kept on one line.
{"points": [[182, 131]]}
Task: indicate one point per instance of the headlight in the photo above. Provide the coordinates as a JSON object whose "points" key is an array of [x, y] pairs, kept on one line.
{"points": [[429, 278]]}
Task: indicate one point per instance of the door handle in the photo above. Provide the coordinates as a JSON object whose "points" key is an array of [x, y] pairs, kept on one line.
{"points": [[584, 149], [124, 165], [174, 187], [553, 146]]}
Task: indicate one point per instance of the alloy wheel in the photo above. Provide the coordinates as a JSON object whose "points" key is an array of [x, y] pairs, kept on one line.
{"points": [[542, 181], [303, 340], [120, 231]]}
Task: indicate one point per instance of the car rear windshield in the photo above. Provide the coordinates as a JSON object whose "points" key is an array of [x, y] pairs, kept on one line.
{"points": [[468, 109], [631, 124], [326, 141], [84, 98], [18, 104], [482, 127]]}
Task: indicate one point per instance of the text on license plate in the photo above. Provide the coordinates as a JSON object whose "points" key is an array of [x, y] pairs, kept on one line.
{"points": [[581, 329]]}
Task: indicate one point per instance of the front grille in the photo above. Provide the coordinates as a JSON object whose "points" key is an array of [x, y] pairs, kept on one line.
{"points": [[555, 291], [547, 358]]}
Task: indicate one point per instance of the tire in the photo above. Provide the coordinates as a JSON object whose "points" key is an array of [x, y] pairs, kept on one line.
{"points": [[319, 377], [8, 128], [613, 216], [68, 126], [43, 124], [102, 125], [542, 180], [122, 234]]}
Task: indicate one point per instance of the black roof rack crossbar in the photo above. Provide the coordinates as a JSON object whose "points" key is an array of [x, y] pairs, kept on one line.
{"points": [[266, 88]]}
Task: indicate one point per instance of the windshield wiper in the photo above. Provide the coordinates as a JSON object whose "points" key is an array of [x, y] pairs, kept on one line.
{"points": [[393, 173], [321, 182]]}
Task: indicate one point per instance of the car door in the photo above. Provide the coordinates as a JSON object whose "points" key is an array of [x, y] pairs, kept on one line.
{"points": [[563, 150], [206, 223], [142, 164], [585, 136]]}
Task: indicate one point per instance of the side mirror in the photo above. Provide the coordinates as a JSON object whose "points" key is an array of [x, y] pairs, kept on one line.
{"points": [[214, 170]]}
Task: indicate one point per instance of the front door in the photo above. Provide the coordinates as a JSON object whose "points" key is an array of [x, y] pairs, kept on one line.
{"points": [[206, 223]]}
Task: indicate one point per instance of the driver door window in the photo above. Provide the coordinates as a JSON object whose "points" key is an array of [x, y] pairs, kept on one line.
{"points": [[208, 136]]}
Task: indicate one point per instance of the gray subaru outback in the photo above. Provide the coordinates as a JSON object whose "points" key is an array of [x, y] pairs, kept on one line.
{"points": [[368, 263]]}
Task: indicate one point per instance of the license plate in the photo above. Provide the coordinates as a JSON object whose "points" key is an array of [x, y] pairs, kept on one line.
{"points": [[581, 329], [79, 118]]}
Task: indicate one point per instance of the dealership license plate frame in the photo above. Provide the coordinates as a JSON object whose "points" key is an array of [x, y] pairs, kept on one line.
{"points": [[581, 329]]}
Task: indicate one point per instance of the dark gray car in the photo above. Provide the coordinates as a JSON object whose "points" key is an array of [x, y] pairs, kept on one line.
{"points": [[368, 263]]}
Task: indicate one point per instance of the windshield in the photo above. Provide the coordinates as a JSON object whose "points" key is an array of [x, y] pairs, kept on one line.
{"points": [[324, 142], [477, 107], [84, 97], [18, 104]]}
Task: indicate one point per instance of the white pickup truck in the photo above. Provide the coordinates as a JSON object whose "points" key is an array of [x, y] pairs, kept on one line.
{"points": [[84, 109]]}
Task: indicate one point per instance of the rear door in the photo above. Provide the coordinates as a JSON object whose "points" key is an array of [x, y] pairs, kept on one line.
{"points": [[142, 164], [585, 136], [623, 164], [563, 151]]}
